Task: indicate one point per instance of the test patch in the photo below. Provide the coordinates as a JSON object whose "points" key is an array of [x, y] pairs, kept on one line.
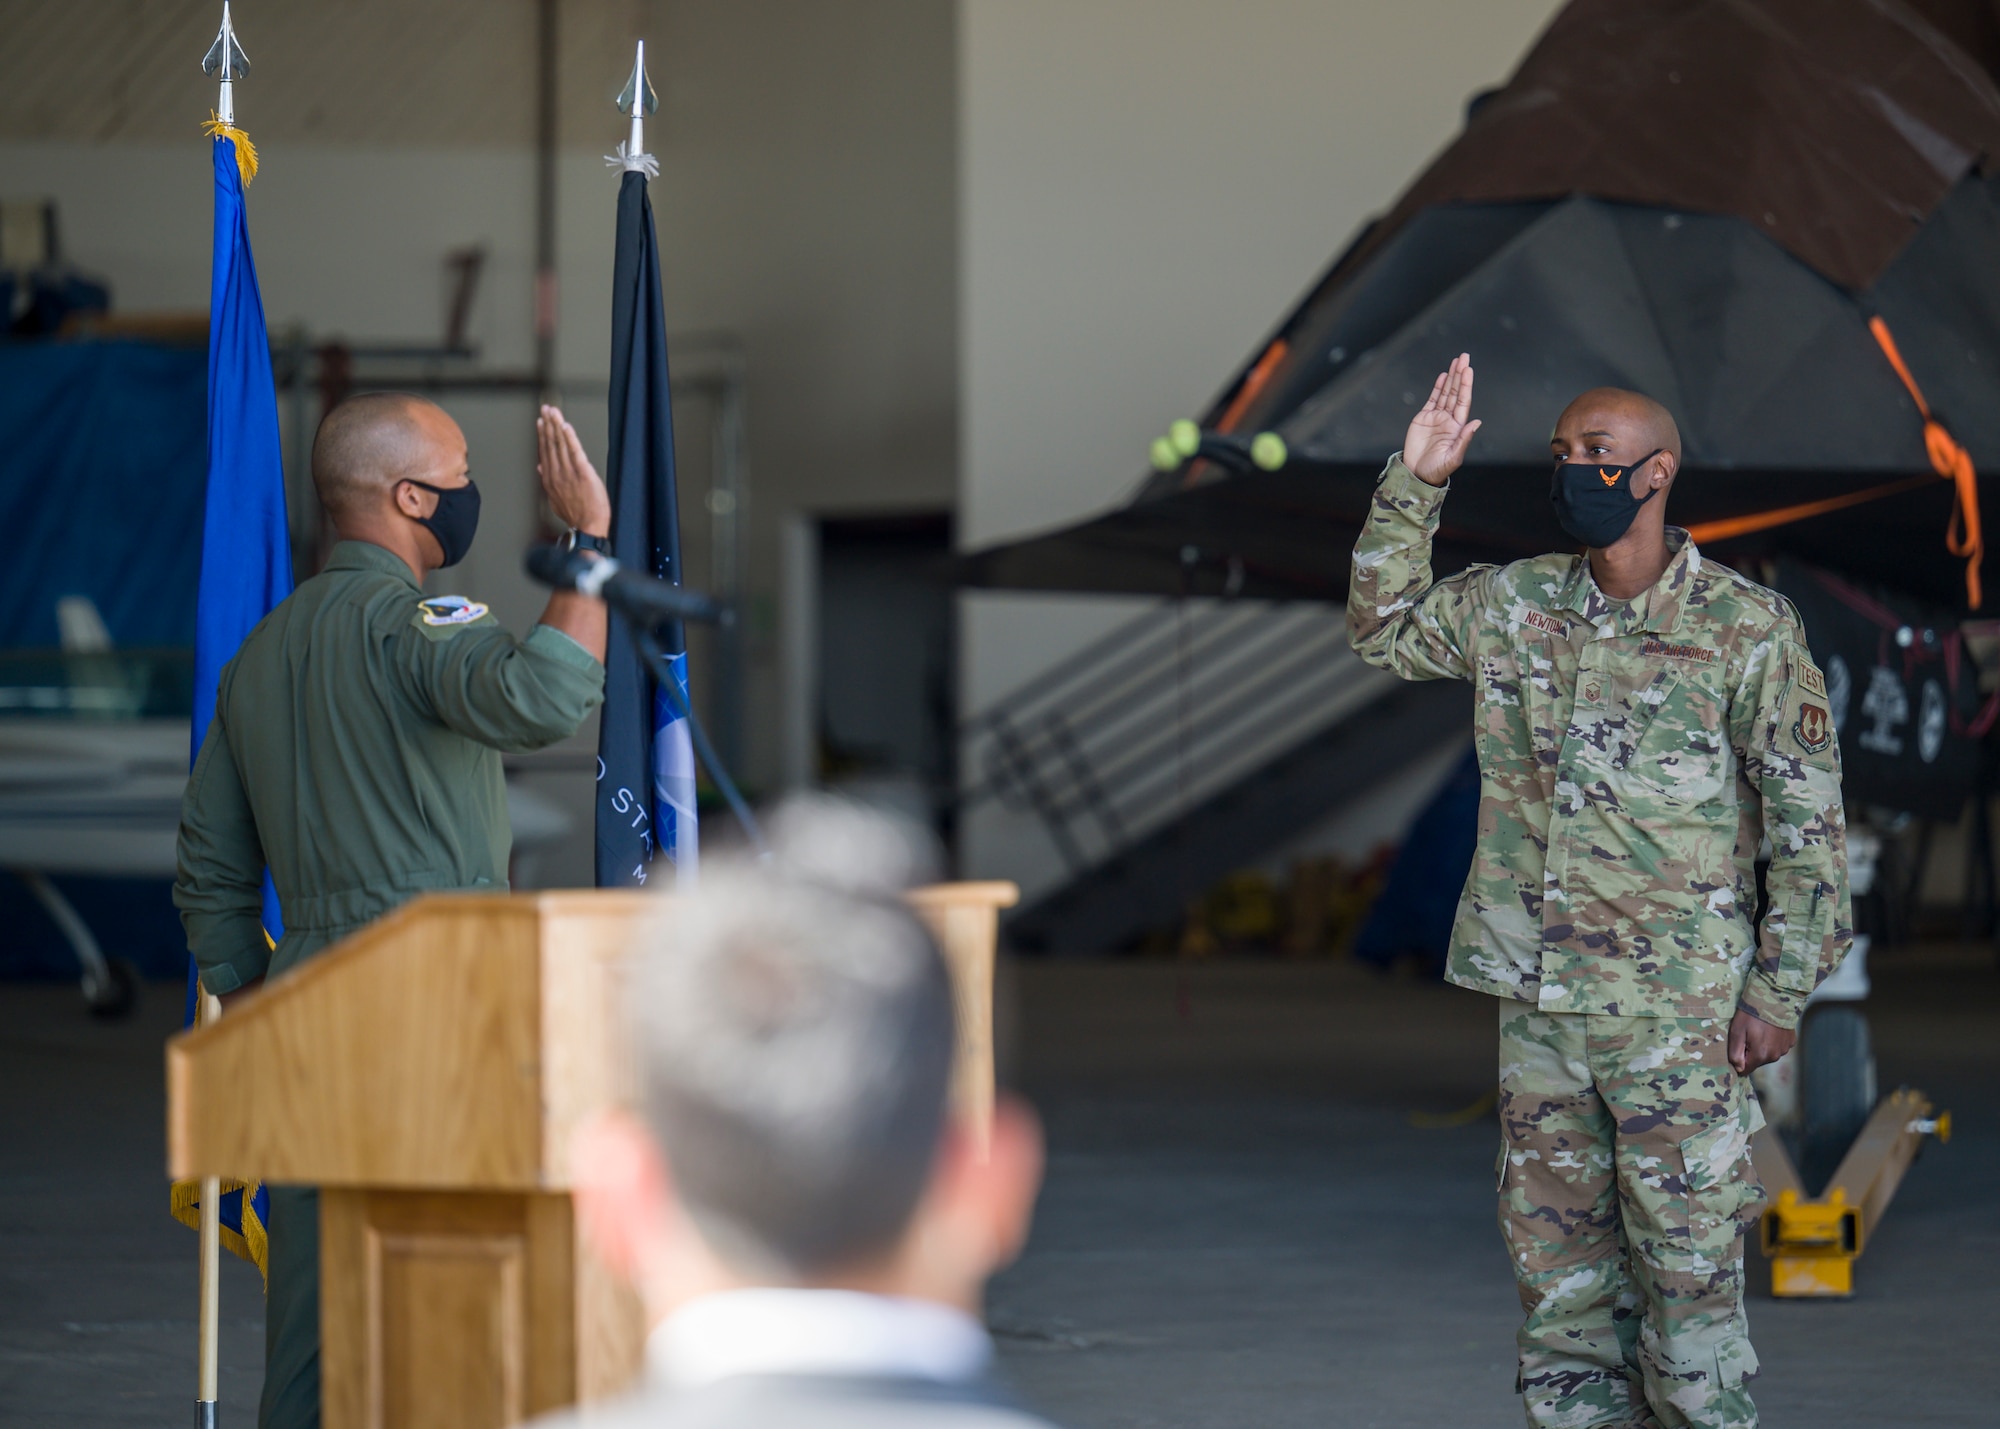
{"points": [[450, 610], [1805, 720]]}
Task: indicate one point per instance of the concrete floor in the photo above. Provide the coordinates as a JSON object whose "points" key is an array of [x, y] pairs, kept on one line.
{"points": [[97, 1282], [1242, 1227]]}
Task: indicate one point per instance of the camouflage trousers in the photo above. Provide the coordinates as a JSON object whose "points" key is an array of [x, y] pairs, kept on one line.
{"points": [[1625, 1188]]}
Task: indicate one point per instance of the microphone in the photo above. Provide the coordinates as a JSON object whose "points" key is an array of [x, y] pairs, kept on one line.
{"points": [[640, 598]]}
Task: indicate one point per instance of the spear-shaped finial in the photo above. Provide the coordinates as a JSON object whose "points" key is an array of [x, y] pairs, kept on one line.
{"points": [[226, 62], [636, 100]]}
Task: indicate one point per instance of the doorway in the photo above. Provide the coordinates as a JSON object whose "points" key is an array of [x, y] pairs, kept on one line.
{"points": [[886, 657]]}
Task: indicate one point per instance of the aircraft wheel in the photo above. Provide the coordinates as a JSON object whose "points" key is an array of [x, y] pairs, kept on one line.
{"points": [[114, 995], [1836, 1088]]}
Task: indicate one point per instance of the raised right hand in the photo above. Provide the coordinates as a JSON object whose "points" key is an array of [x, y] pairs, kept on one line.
{"points": [[1439, 433], [575, 491]]}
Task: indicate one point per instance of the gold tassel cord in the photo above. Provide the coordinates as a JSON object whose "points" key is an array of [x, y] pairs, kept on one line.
{"points": [[246, 152]]}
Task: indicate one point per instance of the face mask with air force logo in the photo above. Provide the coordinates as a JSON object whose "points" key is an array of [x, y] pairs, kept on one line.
{"points": [[1594, 504]]}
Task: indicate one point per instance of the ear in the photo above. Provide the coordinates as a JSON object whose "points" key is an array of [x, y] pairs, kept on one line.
{"points": [[413, 501], [986, 1188], [1016, 1157], [621, 1189], [1664, 467]]}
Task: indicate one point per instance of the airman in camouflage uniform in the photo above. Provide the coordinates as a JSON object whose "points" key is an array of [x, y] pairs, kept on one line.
{"points": [[1633, 752]]}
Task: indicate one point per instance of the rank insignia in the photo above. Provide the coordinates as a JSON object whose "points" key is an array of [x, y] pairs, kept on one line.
{"points": [[1814, 731], [451, 610]]}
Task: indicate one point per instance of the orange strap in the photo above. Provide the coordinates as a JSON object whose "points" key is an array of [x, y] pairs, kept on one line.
{"points": [[1733, 526], [1253, 383], [1952, 462]]}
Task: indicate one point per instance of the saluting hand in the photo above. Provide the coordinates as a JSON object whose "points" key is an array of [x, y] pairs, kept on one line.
{"points": [[575, 490], [1439, 433]]}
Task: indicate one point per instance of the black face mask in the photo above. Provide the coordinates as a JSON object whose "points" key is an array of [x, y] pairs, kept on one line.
{"points": [[454, 520], [1594, 503]]}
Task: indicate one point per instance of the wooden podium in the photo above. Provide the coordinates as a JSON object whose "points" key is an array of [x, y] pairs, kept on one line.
{"points": [[427, 1074]]}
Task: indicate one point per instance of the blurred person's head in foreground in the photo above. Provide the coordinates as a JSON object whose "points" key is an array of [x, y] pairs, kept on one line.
{"points": [[792, 1027]]}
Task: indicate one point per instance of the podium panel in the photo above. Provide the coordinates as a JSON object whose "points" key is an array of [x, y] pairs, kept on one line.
{"points": [[459, 1306], [428, 1074]]}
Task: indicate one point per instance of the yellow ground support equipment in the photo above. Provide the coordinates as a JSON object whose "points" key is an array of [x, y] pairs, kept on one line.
{"points": [[1812, 1244]]}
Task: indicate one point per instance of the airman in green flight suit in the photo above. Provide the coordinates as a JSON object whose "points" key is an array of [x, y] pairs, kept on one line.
{"points": [[355, 752]]}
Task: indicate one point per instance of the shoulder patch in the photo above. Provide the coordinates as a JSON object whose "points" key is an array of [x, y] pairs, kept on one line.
{"points": [[1808, 675], [449, 610], [1805, 719], [1813, 729]]}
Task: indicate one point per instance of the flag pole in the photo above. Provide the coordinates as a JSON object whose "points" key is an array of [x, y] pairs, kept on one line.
{"points": [[226, 63], [635, 102], [208, 1335], [636, 141]]}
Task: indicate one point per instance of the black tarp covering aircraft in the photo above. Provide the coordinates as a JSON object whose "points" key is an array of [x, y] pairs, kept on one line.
{"points": [[1705, 200]]}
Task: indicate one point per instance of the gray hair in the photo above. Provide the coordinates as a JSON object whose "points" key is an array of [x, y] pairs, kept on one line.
{"points": [[793, 1026]]}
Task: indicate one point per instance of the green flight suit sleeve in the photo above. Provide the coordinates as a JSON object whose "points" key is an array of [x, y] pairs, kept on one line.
{"points": [[1791, 756], [219, 885], [511, 695], [1397, 617]]}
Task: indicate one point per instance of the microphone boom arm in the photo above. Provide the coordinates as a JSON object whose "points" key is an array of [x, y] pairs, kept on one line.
{"points": [[646, 603]]}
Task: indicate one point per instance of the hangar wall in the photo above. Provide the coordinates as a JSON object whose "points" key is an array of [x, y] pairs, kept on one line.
{"points": [[804, 206], [1077, 213], [1144, 187]]}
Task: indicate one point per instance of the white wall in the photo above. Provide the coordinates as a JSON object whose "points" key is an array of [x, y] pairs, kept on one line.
{"points": [[1145, 186]]}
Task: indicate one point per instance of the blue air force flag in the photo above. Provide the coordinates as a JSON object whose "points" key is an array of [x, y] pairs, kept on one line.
{"points": [[246, 554]]}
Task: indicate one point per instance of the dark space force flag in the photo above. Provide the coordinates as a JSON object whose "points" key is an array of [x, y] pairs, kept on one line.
{"points": [[246, 553], [645, 757]]}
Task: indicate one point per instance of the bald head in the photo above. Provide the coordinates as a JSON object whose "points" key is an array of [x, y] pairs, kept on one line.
{"points": [[1616, 427], [369, 443]]}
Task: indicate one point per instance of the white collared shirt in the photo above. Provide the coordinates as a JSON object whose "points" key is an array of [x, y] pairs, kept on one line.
{"points": [[830, 1332]]}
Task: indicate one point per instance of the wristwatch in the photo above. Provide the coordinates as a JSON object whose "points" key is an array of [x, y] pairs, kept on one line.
{"points": [[583, 541]]}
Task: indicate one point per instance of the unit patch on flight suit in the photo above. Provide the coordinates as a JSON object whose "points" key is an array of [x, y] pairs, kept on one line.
{"points": [[450, 610]]}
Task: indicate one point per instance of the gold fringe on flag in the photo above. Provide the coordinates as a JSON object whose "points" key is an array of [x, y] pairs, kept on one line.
{"points": [[251, 1243], [246, 152]]}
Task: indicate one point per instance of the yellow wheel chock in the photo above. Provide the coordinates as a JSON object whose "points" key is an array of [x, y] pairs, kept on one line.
{"points": [[1812, 1244]]}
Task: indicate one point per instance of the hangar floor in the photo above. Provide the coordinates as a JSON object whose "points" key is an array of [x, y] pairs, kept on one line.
{"points": [[1241, 1224], [1242, 1227]]}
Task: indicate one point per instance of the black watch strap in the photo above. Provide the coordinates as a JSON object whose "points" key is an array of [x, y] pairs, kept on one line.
{"points": [[584, 541]]}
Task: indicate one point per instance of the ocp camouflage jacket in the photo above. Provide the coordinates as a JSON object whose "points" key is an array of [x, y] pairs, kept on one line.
{"points": [[1631, 756]]}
